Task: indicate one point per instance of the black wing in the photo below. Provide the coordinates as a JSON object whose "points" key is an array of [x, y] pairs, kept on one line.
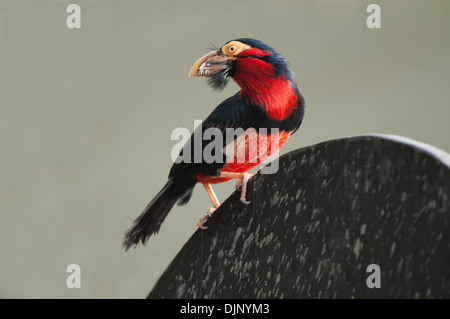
{"points": [[235, 113]]}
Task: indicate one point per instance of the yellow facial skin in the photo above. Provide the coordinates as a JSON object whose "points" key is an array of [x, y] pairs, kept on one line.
{"points": [[213, 62]]}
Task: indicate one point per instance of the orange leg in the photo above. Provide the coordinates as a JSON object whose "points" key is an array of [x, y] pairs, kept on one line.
{"points": [[241, 183], [212, 195], [215, 202]]}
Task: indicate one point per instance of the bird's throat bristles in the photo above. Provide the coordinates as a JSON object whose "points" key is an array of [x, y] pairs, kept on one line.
{"points": [[219, 80]]}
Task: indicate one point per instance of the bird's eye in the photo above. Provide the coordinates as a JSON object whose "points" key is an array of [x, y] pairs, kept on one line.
{"points": [[234, 48]]}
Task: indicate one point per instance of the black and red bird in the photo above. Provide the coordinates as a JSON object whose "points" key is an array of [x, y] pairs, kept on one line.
{"points": [[269, 101]]}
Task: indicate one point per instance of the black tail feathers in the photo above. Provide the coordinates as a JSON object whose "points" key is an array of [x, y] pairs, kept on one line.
{"points": [[150, 220]]}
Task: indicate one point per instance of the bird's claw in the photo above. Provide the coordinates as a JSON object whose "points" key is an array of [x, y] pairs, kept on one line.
{"points": [[201, 221], [201, 226], [242, 184], [205, 217]]}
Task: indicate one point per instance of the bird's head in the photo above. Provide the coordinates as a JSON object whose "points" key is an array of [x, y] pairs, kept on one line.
{"points": [[262, 73], [245, 61]]}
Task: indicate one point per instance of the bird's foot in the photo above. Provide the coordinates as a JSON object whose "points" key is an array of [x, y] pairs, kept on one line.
{"points": [[242, 184], [239, 181], [203, 219]]}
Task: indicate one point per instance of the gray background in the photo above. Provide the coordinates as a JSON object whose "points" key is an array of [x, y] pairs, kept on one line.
{"points": [[86, 116]]}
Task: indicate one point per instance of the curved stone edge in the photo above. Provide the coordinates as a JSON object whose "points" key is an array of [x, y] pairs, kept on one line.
{"points": [[431, 150]]}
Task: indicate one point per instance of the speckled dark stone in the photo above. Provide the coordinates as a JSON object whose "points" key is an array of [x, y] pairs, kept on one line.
{"points": [[314, 227]]}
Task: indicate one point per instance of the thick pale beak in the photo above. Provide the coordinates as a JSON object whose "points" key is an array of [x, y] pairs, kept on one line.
{"points": [[210, 64]]}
